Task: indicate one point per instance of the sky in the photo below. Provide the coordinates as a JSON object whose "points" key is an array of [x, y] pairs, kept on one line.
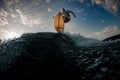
{"points": [[97, 19]]}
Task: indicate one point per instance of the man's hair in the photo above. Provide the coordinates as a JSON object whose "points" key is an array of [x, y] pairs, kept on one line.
{"points": [[63, 9]]}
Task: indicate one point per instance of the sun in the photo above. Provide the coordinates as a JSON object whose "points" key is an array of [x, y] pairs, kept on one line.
{"points": [[12, 35]]}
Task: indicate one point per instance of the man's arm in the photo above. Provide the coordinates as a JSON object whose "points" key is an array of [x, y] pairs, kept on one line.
{"points": [[72, 13]]}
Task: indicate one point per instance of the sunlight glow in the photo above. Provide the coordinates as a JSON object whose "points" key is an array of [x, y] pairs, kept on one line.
{"points": [[12, 35]]}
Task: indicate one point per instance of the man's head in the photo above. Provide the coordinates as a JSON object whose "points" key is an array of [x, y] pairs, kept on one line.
{"points": [[63, 9]]}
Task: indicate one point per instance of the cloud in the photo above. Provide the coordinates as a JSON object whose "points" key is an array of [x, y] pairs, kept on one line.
{"points": [[3, 13], [24, 15], [29, 21], [79, 10], [3, 22], [1, 34], [10, 2], [10, 33], [86, 2], [82, 1], [107, 32], [103, 21], [47, 1], [3, 17], [17, 1], [110, 5], [85, 14], [96, 1], [49, 9]]}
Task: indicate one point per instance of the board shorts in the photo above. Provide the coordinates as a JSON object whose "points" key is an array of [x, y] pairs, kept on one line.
{"points": [[67, 19]]}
